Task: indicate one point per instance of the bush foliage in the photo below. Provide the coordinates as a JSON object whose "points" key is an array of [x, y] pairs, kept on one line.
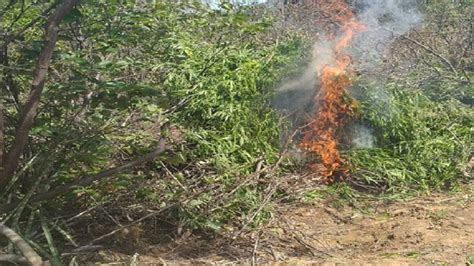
{"points": [[421, 115], [420, 143], [125, 75]]}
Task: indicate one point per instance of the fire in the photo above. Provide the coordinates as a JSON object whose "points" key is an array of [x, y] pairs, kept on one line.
{"points": [[332, 109]]}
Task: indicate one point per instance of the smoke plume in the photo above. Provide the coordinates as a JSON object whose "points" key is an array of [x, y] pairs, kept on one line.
{"points": [[384, 21]]}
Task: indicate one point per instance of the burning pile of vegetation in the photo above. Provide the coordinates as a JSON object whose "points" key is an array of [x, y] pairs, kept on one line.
{"points": [[390, 112], [333, 109]]}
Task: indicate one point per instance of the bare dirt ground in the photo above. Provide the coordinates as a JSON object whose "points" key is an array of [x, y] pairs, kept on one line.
{"points": [[428, 230]]}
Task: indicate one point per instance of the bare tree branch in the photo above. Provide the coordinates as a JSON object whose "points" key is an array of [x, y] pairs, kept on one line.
{"points": [[30, 255], [431, 51], [30, 109], [18, 34]]}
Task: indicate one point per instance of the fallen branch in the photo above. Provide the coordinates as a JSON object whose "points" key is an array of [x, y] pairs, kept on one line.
{"points": [[29, 255], [431, 51], [152, 213], [264, 203], [254, 252]]}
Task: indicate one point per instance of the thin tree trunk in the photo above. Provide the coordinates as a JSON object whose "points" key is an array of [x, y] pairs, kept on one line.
{"points": [[2, 130], [30, 108], [4, 62]]}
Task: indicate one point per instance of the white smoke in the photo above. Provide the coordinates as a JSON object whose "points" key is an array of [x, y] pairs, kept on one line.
{"points": [[362, 136], [296, 95], [385, 21]]}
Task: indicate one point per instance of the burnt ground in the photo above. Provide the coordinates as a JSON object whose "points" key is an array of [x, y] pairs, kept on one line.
{"points": [[436, 229]]}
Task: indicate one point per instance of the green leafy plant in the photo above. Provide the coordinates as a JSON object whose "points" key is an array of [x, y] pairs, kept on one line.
{"points": [[421, 144], [124, 78]]}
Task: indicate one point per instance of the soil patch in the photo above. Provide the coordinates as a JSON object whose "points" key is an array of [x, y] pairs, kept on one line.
{"points": [[438, 229]]}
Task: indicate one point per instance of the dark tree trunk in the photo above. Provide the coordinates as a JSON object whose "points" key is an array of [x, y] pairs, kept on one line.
{"points": [[30, 108]]}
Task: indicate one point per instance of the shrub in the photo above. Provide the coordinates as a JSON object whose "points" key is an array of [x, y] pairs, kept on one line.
{"points": [[420, 143]]}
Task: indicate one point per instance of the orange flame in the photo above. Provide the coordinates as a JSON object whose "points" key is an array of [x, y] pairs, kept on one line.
{"points": [[332, 109]]}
